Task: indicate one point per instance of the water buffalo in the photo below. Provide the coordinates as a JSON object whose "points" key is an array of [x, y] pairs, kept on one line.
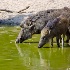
{"points": [[54, 28], [34, 24]]}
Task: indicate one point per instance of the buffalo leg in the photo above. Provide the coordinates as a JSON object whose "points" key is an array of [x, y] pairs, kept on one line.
{"points": [[60, 39], [67, 41], [52, 42], [63, 40], [57, 40]]}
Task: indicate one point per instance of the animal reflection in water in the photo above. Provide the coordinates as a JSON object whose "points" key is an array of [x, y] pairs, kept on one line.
{"points": [[27, 60], [42, 58]]}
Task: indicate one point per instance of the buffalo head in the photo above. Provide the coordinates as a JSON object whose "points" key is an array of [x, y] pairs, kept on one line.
{"points": [[25, 33], [53, 28]]}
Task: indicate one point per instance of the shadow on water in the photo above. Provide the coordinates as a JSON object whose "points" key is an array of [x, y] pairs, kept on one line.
{"points": [[65, 45], [31, 42]]}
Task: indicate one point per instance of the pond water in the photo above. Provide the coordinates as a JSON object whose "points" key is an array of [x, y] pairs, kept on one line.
{"points": [[27, 56]]}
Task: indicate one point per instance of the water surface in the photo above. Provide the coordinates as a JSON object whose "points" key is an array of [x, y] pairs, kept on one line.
{"points": [[27, 56]]}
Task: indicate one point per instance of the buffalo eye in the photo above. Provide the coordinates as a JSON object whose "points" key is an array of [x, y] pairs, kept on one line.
{"points": [[43, 38]]}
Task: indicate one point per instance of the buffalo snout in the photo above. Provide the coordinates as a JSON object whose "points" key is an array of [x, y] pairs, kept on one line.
{"points": [[42, 42], [20, 40]]}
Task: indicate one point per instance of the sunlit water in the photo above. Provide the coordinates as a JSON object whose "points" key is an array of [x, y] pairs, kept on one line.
{"points": [[27, 56]]}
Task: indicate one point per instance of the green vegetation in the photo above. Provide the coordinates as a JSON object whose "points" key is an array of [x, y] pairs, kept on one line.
{"points": [[26, 56]]}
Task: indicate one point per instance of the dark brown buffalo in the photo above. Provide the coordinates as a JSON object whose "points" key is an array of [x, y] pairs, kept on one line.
{"points": [[54, 28]]}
